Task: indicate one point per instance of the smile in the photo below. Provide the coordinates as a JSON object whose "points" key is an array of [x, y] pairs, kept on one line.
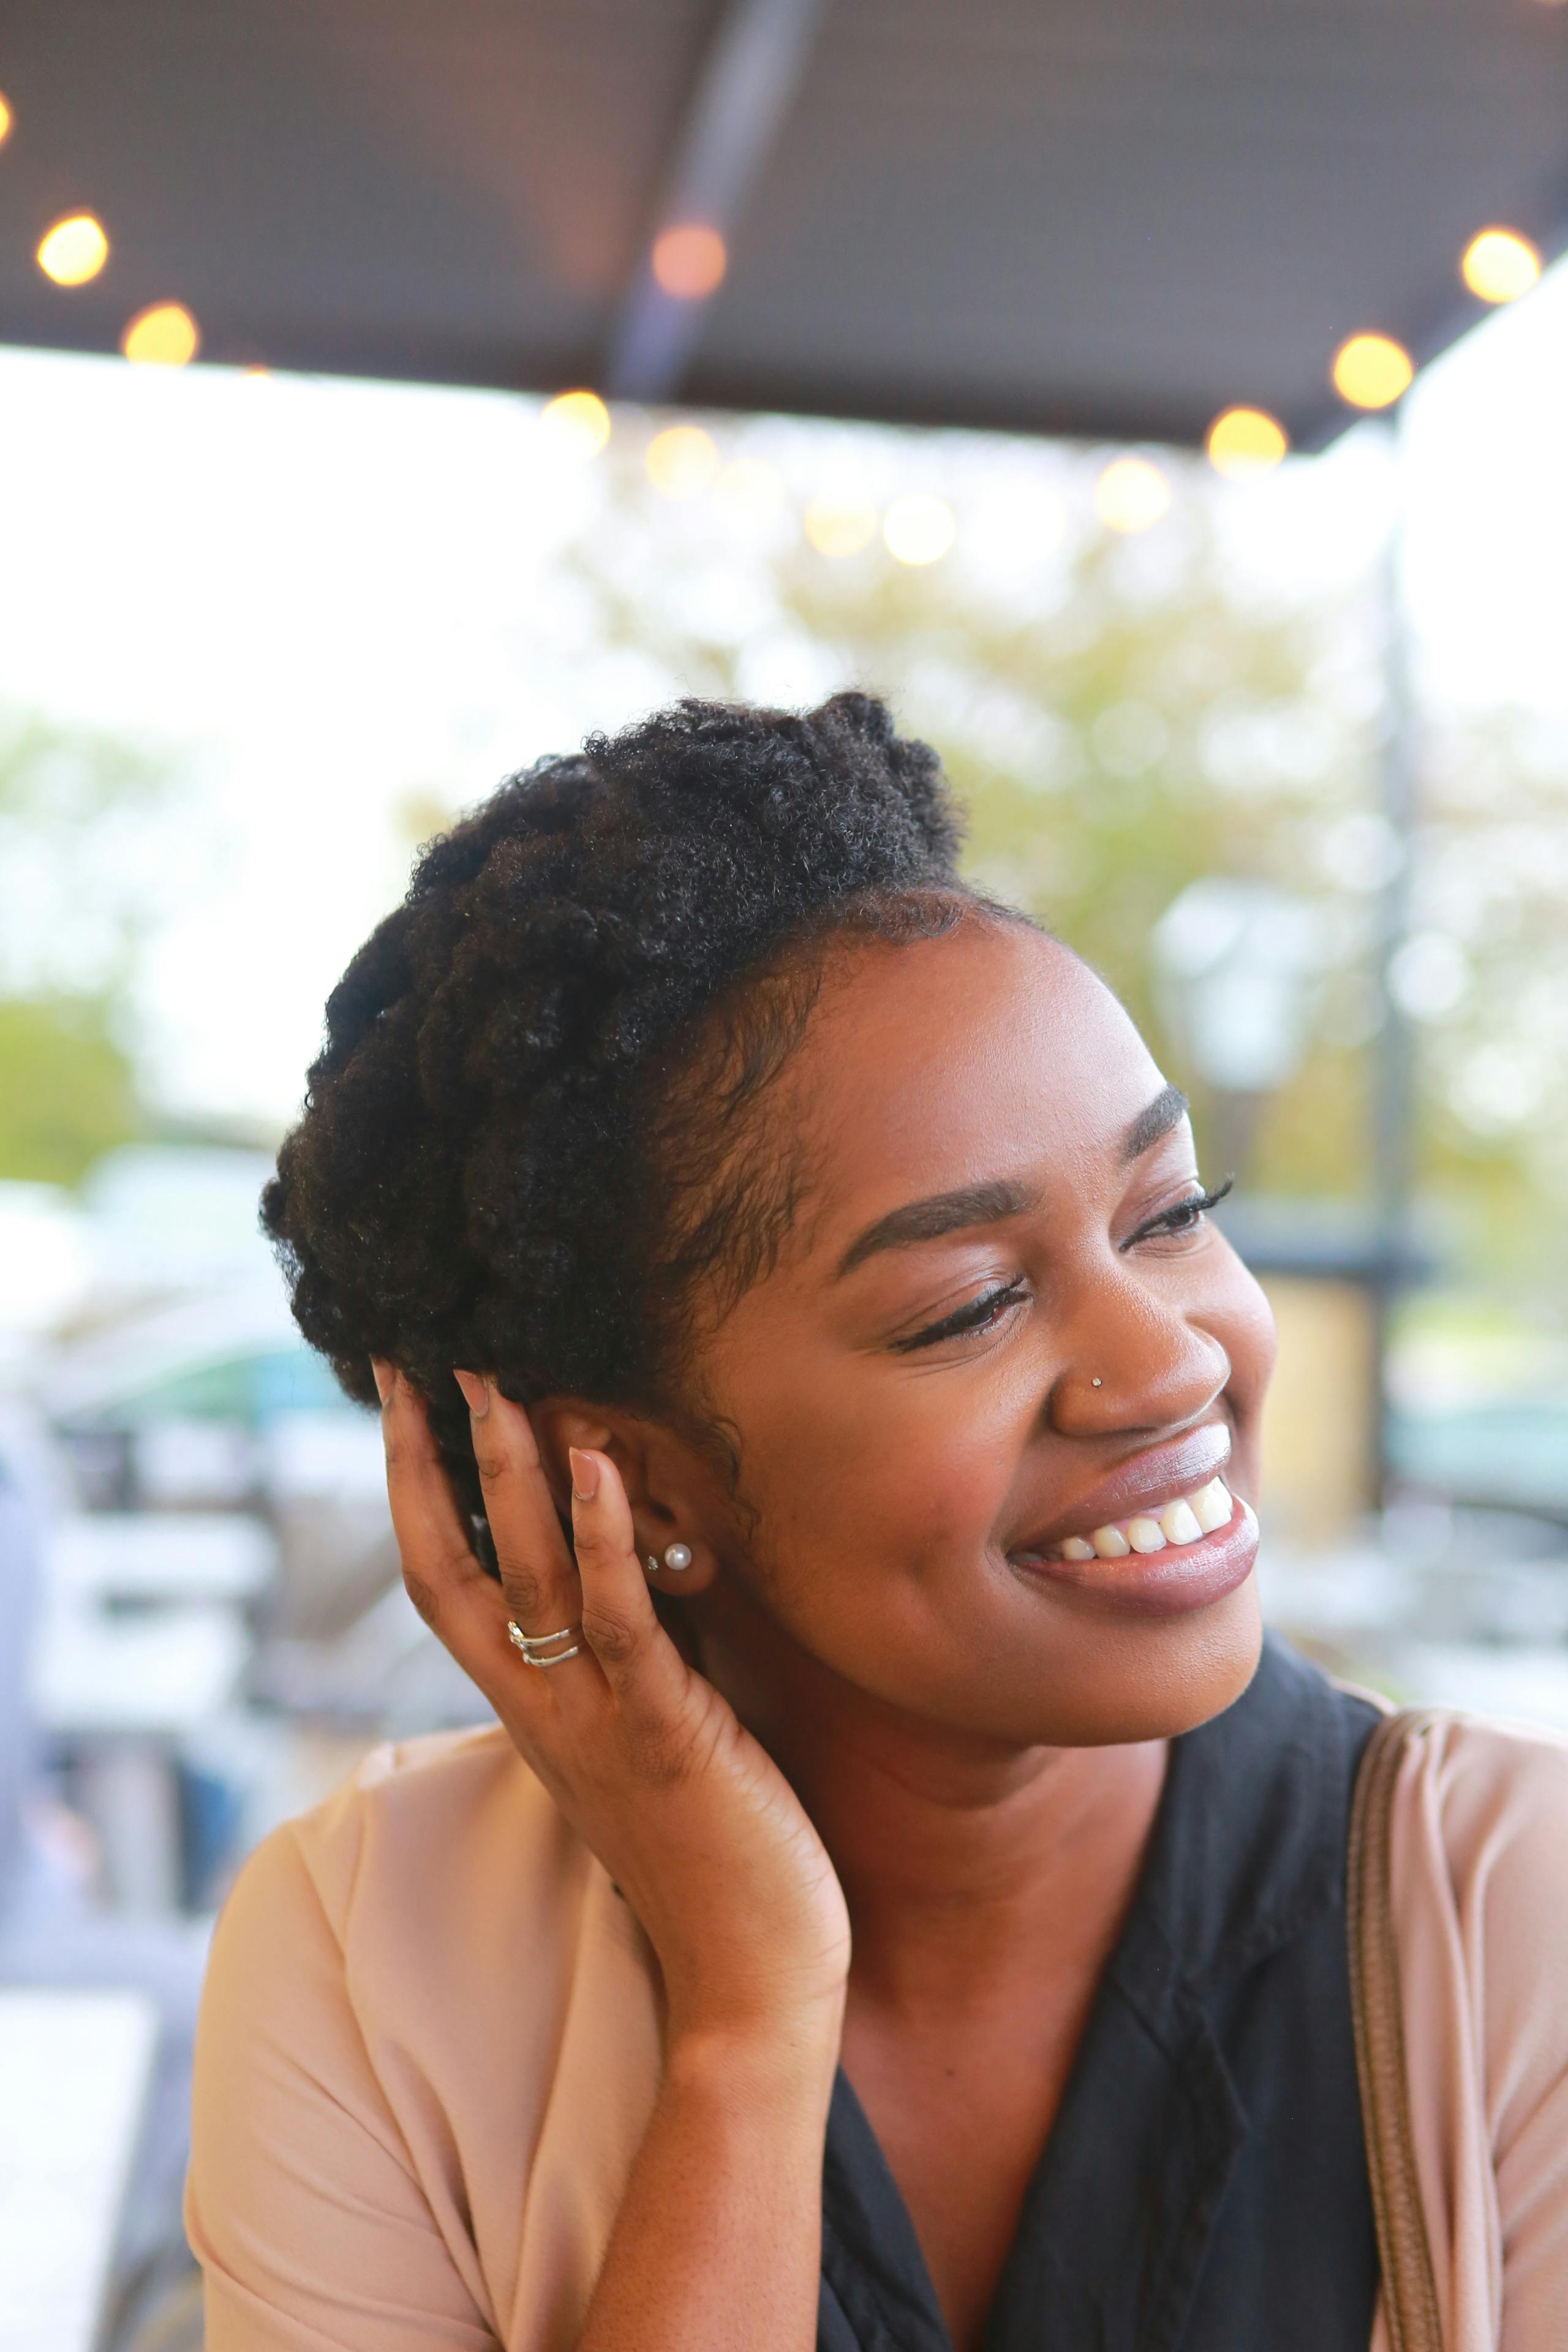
{"points": [[1184, 1519], [1173, 1556]]}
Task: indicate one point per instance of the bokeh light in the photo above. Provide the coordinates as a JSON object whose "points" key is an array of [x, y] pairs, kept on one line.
{"points": [[578, 423], [919, 528], [164, 335], [1132, 494], [690, 260], [6, 118], [1246, 441], [74, 250], [838, 526], [1371, 370], [681, 461], [1500, 265]]}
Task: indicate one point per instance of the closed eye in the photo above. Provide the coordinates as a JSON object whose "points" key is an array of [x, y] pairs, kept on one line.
{"points": [[980, 1315], [1181, 1216]]}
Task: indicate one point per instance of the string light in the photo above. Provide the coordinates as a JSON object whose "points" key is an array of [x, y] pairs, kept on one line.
{"points": [[681, 460], [577, 422], [165, 335], [74, 250], [1246, 441], [1371, 370], [1500, 265], [919, 528], [1132, 494], [690, 260]]}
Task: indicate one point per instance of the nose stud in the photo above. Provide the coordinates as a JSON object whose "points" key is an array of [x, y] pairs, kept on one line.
{"points": [[1096, 1383]]}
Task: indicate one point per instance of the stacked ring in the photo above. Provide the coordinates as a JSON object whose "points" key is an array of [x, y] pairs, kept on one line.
{"points": [[538, 1649]]}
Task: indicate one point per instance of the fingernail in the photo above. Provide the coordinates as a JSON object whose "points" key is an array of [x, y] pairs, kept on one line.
{"points": [[384, 1376], [584, 1474], [475, 1393]]}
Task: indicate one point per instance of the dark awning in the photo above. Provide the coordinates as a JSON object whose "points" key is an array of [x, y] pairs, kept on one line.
{"points": [[1103, 217]]}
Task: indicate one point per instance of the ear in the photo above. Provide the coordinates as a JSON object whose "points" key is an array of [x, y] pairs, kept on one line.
{"points": [[669, 1484]]}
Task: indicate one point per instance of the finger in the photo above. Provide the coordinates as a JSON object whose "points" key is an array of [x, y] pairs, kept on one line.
{"points": [[640, 1662], [445, 1581], [538, 1575]]}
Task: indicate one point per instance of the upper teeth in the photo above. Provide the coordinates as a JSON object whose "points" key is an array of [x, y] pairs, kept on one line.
{"points": [[1180, 1521]]}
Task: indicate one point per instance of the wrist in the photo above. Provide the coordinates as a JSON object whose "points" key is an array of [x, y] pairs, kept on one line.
{"points": [[783, 2056]]}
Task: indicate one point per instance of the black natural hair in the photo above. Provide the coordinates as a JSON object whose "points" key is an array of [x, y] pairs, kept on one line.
{"points": [[522, 1142]]}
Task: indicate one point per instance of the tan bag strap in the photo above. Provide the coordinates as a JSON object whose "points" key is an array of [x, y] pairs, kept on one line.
{"points": [[1410, 2291]]}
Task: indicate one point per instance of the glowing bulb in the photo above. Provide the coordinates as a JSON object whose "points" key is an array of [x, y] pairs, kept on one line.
{"points": [[1371, 370], [165, 335], [919, 528], [7, 117], [839, 527], [1132, 494], [681, 460], [1246, 441], [74, 250], [690, 260], [1500, 265], [577, 422]]}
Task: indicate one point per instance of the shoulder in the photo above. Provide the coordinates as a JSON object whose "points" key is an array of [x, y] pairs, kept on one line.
{"points": [[418, 1818], [1481, 1894], [362, 1895], [1485, 1804]]}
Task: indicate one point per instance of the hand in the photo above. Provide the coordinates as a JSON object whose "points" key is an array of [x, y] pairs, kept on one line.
{"points": [[693, 1821]]}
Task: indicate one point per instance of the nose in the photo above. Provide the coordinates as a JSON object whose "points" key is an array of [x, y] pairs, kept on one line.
{"points": [[1129, 1362]]}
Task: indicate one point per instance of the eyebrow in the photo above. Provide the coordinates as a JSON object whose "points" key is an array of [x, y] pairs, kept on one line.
{"points": [[1156, 1119], [940, 1214], [999, 1198]]}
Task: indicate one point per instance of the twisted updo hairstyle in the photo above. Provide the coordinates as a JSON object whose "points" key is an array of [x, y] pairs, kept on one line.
{"points": [[525, 1138]]}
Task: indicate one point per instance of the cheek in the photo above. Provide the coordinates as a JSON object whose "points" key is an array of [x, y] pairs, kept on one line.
{"points": [[909, 1473], [1243, 1322]]}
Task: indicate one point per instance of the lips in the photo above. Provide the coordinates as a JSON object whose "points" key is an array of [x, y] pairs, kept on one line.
{"points": [[1167, 1581], [1145, 1483], [1158, 1584]]}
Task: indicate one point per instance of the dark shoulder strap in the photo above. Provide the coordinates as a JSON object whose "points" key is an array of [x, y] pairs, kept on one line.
{"points": [[1410, 2290]]}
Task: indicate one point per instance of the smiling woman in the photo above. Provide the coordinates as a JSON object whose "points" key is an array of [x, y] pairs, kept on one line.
{"points": [[895, 1906]]}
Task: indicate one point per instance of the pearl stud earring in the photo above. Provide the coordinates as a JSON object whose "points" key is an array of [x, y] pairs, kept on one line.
{"points": [[677, 1557]]}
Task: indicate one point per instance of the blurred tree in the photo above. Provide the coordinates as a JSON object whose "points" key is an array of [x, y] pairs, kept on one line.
{"points": [[1121, 715], [76, 902], [67, 1089]]}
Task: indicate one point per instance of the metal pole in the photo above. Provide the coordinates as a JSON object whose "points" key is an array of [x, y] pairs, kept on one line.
{"points": [[1394, 1074]]}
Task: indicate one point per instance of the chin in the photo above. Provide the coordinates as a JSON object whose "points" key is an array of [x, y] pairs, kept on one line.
{"points": [[1114, 1683]]}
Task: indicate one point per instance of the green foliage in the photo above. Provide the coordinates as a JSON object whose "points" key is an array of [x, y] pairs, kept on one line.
{"points": [[67, 1091], [1122, 719], [75, 903]]}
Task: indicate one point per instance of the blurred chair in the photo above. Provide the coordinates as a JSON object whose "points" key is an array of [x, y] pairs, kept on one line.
{"points": [[54, 1941]]}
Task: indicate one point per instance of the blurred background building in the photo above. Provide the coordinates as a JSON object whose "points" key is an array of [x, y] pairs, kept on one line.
{"points": [[1143, 399]]}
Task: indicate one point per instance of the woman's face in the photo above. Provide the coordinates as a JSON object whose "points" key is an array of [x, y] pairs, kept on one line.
{"points": [[998, 1340]]}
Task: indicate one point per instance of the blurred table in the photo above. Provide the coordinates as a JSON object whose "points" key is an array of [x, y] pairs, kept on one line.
{"points": [[75, 2068], [143, 1642], [161, 1556]]}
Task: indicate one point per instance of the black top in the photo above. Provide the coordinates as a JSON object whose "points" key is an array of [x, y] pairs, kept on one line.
{"points": [[1204, 2185]]}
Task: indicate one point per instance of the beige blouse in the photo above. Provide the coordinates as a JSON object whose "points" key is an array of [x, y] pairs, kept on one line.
{"points": [[428, 2052]]}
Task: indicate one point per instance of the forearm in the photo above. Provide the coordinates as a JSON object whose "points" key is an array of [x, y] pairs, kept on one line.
{"points": [[717, 2242]]}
